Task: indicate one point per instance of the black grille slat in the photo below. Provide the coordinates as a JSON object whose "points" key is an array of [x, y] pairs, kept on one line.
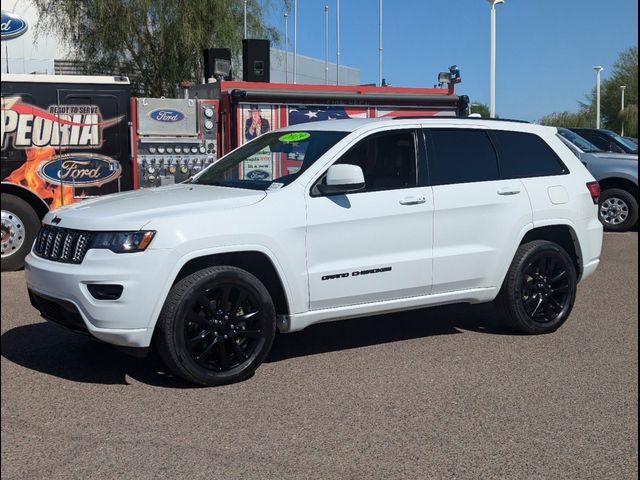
{"points": [[62, 244], [48, 243], [55, 249], [66, 246]]}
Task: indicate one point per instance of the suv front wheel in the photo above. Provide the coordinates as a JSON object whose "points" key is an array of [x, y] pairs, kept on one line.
{"points": [[217, 326], [539, 290]]}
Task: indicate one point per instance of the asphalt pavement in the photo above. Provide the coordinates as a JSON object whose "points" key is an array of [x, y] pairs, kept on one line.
{"points": [[439, 393]]}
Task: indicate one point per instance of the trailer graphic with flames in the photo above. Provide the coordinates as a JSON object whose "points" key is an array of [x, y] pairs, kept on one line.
{"points": [[62, 139], [47, 136]]}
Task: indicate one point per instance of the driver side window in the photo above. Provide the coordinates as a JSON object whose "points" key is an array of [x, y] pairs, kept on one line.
{"points": [[388, 160]]}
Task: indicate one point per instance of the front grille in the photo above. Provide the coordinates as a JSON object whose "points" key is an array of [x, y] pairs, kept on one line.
{"points": [[62, 244]]}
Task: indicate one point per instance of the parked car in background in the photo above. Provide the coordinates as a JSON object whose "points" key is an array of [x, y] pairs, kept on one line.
{"points": [[606, 140], [632, 140], [617, 174]]}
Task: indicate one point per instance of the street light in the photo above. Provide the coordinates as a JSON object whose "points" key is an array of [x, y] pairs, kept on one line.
{"points": [[286, 48], [492, 88], [245, 18], [337, 42], [326, 44], [622, 89], [380, 43], [295, 41], [598, 69]]}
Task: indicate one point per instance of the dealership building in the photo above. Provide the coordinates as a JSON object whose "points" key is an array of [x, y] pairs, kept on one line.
{"points": [[32, 51]]}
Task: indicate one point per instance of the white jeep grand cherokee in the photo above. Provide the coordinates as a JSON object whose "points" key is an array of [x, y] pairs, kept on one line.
{"points": [[356, 217]]}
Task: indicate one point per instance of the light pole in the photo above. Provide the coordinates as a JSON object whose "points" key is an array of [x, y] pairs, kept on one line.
{"points": [[622, 89], [295, 41], [326, 44], [492, 82], [245, 18], [380, 44], [598, 69], [337, 42], [286, 48]]}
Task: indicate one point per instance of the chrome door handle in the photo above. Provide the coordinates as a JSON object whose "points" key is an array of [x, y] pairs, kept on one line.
{"points": [[509, 191], [412, 200]]}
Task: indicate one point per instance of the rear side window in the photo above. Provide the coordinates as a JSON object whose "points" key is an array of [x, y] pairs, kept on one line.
{"points": [[460, 156], [523, 155]]}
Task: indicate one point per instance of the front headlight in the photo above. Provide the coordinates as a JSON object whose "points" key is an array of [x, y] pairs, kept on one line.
{"points": [[123, 242]]}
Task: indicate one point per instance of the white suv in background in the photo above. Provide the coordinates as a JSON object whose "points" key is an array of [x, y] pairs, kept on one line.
{"points": [[358, 217]]}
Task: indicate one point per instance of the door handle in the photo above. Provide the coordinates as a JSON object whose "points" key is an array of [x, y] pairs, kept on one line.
{"points": [[509, 191], [412, 200]]}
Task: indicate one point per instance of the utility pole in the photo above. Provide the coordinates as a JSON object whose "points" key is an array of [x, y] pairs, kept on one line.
{"points": [[598, 69], [245, 19], [622, 89], [338, 42], [380, 44], [286, 48], [492, 81], [326, 44], [295, 41]]}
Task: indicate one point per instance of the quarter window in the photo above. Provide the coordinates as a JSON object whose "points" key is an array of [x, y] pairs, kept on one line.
{"points": [[524, 155], [460, 156]]}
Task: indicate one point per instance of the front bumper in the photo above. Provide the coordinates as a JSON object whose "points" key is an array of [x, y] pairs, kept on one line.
{"points": [[60, 292]]}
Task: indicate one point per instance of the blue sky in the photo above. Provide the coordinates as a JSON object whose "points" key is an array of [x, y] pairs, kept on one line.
{"points": [[546, 49]]}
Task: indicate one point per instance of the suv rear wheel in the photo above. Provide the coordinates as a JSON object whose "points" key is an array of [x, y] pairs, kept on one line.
{"points": [[539, 291], [217, 326], [618, 210]]}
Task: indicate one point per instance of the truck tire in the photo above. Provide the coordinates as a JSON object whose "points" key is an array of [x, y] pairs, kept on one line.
{"points": [[539, 291], [216, 326], [617, 210], [20, 224]]}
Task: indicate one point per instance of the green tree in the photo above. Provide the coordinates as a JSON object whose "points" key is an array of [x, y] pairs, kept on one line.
{"points": [[624, 72], [481, 108], [582, 118], [157, 43]]}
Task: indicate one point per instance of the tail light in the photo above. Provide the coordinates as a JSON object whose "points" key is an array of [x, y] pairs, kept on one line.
{"points": [[594, 190]]}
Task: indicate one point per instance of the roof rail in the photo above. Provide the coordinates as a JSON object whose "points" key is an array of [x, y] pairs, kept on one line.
{"points": [[409, 117]]}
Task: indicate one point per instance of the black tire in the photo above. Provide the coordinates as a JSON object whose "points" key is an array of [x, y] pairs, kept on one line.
{"points": [[25, 223], [617, 210], [539, 291], [216, 326]]}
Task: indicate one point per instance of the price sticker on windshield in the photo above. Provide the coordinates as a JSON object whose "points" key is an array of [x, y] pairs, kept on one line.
{"points": [[294, 137]]}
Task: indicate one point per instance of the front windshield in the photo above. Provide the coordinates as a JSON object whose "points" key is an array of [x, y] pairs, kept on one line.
{"points": [[578, 141], [272, 160]]}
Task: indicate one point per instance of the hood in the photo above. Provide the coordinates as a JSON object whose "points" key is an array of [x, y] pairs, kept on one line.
{"points": [[132, 210], [615, 156]]}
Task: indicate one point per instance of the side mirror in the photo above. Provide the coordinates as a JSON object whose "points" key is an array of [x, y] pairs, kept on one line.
{"points": [[342, 179]]}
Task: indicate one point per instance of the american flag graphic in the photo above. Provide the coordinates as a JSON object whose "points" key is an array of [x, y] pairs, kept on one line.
{"points": [[305, 114]]}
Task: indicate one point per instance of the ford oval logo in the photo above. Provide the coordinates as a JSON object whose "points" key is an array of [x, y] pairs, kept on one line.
{"points": [[166, 115], [12, 25], [258, 175], [80, 170]]}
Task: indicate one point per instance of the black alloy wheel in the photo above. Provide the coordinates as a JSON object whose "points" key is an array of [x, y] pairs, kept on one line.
{"points": [[539, 291], [546, 287], [222, 328], [217, 326]]}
